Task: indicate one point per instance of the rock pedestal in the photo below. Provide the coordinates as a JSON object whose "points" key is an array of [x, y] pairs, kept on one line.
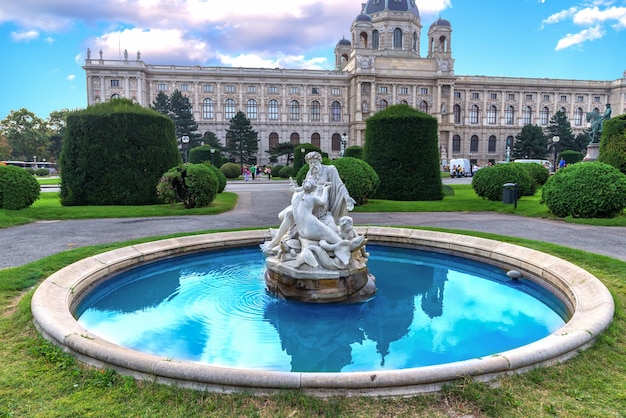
{"points": [[593, 150]]}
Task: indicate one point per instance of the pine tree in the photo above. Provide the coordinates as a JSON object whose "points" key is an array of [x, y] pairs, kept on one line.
{"points": [[161, 104], [182, 115], [530, 143], [241, 140], [283, 148], [560, 126]]}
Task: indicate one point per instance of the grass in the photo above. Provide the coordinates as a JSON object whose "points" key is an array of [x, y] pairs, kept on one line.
{"points": [[38, 379]]}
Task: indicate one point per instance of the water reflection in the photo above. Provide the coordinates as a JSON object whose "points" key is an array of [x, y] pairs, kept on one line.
{"points": [[213, 308]]}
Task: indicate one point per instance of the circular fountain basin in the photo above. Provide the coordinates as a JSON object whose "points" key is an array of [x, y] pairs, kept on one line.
{"points": [[589, 302]]}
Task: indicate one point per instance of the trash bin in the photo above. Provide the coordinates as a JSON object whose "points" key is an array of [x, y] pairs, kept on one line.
{"points": [[509, 193]]}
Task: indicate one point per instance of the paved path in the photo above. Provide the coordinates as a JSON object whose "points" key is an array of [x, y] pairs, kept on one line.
{"points": [[258, 206]]}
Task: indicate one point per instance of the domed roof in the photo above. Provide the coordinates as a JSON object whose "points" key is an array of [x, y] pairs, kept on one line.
{"points": [[376, 6], [363, 18], [344, 41], [440, 22]]}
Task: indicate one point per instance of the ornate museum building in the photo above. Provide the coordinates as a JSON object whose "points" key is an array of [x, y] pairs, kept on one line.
{"points": [[379, 66]]}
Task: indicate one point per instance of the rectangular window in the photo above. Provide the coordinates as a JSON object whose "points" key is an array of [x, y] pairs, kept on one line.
{"points": [[596, 99], [294, 90], [404, 90], [272, 89], [423, 90], [230, 89], [162, 87], [115, 83], [184, 87], [251, 89], [382, 89], [494, 96], [511, 96], [457, 94], [315, 90], [207, 88], [580, 99], [475, 95], [564, 98], [529, 97], [546, 97], [335, 91]]}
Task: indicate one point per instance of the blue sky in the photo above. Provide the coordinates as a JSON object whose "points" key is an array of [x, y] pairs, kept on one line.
{"points": [[44, 42]]}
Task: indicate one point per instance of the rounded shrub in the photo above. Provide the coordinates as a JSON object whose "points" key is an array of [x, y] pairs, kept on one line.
{"points": [[276, 169], [613, 143], [286, 172], [355, 151], [221, 178], [586, 190], [193, 184], [18, 189], [42, 172], [538, 172], [488, 182], [231, 170]]}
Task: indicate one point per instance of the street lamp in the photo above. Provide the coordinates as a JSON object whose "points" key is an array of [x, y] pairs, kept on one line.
{"points": [[35, 161], [212, 152], [185, 141], [344, 142], [302, 151], [555, 142]]}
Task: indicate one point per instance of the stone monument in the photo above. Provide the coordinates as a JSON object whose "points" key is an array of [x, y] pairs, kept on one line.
{"points": [[597, 123], [316, 255]]}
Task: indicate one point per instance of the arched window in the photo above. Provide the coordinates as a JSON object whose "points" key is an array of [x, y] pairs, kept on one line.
{"points": [[294, 138], [294, 110], [316, 140], [273, 140], [397, 38], [527, 115], [272, 110], [414, 42], [115, 96], [423, 107], [363, 37], [335, 112], [474, 112], [365, 107], [492, 114], [251, 109], [315, 110], [457, 113], [375, 39], [578, 117], [229, 109], [545, 114], [474, 143], [382, 105], [208, 110], [335, 142], [404, 102], [456, 143], [510, 115], [491, 146]]}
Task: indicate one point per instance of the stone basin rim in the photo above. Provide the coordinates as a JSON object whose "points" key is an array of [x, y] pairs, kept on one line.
{"points": [[588, 300]]}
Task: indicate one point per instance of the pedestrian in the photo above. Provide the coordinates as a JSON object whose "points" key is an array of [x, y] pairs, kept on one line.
{"points": [[268, 171], [562, 163], [253, 171]]}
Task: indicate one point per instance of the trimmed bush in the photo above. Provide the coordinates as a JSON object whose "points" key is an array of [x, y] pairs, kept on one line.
{"points": [[586, 190], [114, 153], [276, 169], [488, 182], [402, 147], [286, 172], [354, 151], [358, 176], [42, 172], [18, 189], [231, 170], [221, 178], [613, 144], [298, 157], [202, 154], [538, 172], [193, 184], [571, 156]]}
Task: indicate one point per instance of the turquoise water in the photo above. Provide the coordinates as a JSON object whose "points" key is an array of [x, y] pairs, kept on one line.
{"points": [[213, 308]]}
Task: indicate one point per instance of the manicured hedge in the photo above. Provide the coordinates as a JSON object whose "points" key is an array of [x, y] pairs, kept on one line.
{"points": [[114, 153], [613, 143], [488, 182], [18, 188], [195, 185]]}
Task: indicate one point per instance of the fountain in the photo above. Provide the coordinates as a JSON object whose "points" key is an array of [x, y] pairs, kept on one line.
{"points": [[316, 255]]}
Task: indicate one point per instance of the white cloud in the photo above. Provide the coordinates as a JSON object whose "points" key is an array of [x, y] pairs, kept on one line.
{"points": [[25, 36], [584, 35], [71, 77]]}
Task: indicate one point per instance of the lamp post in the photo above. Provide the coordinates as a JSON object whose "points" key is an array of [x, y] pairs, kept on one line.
{"points": [[212, 152], [555, 142], [35, 162], [302, 151], [344, 142], [185, 142]]}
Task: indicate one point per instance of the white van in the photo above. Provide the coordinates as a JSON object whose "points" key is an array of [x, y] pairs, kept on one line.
{"points": [[547, 164], [464, 164]]}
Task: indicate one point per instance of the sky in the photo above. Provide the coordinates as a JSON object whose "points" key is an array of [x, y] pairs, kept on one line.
{"points": [[44, 43]]}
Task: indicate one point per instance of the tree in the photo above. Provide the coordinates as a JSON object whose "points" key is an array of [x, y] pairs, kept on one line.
{"points": [[28, 135], [178, 108], [161, 104], [530, 143], [209, 138], [283, 148], [560, 126], [5, 148], [58, 124], [241, 139]]}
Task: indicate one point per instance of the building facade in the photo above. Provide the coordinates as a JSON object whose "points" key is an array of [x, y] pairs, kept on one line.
{"points": [[380, 66]]}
